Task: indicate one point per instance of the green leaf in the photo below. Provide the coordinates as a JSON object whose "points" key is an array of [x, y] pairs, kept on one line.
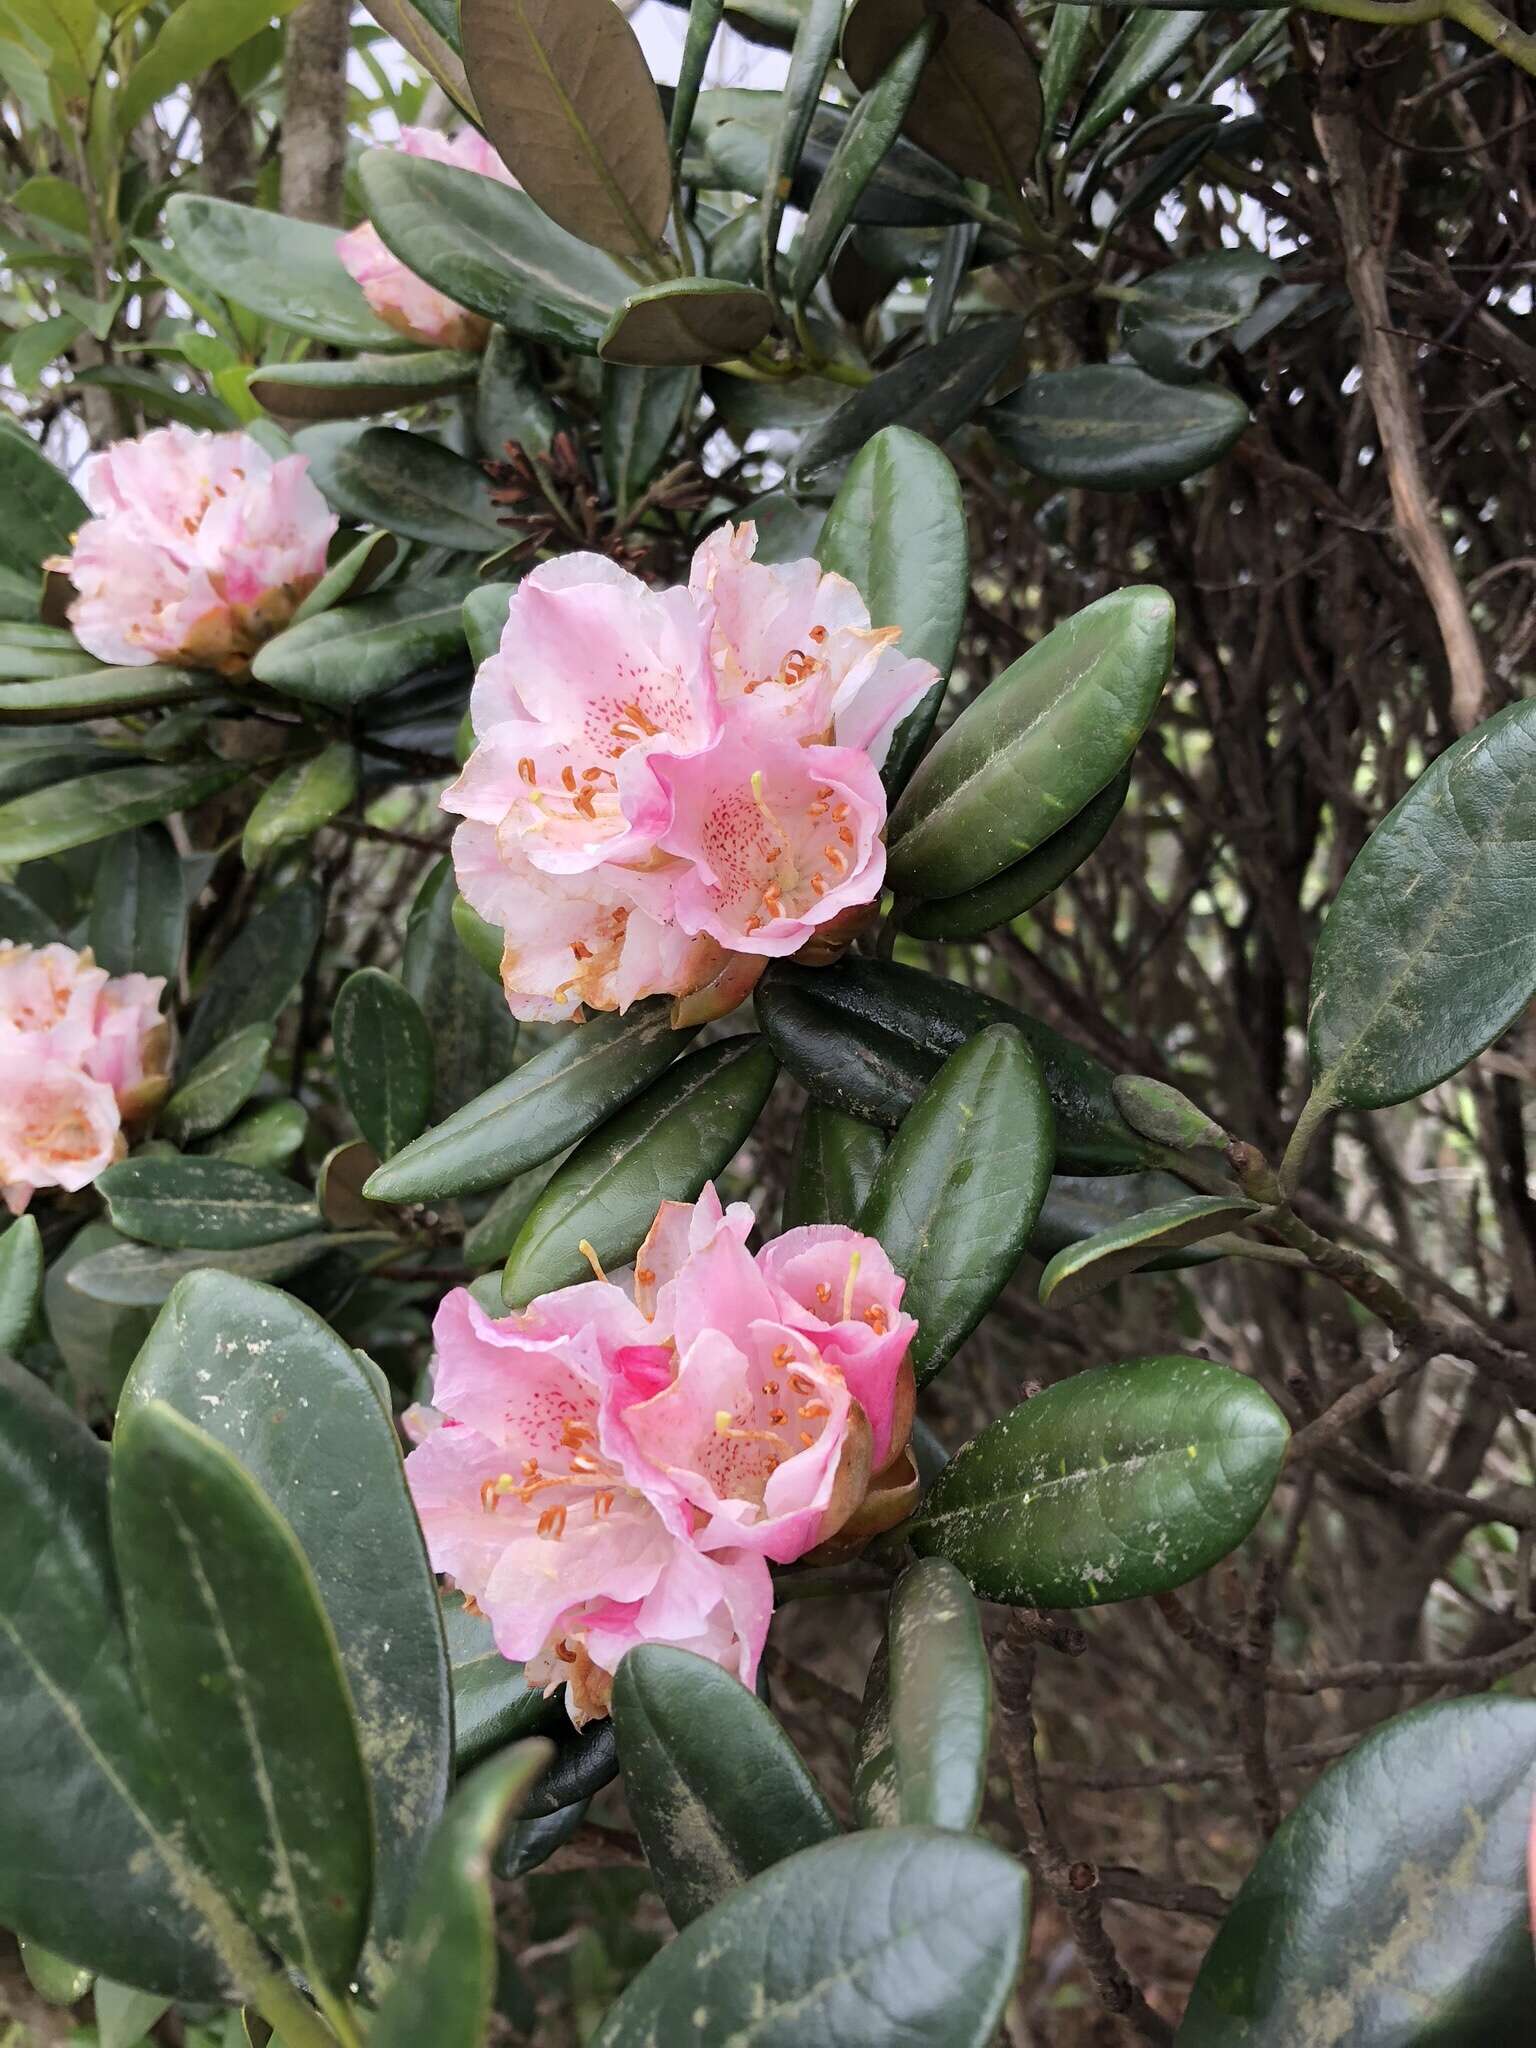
{"points": [[96, 692], [44, 508], [265, 1137], [204, 1204], [835, 1161], [686, 320], [511, 403], [978, 102], [1111, 427], [124, 2016], [589, 1073], [97, 1340], [686, 1128], [703, 22], [222, 1082], [297, 802], [262, 1738], [640, 414], [958, 1191], [24, 921], [259, 974], [79, 1746], [95, 806], [566, 95], [492, 249], [927, 1708], [444, 1987], [195, 36], [932, 390], [1094, 1263], [266, 1360], [55, 1979], [909, 1933], [358, 385], [1018, 888], [485, 612], [488, 1242], [383, 1058], [1391, 1909], [493, 1703], [388, 476], [1149, 42], [138, 1276], [1164, 1114], [1035, 747], [139, 905], [32, 651], [896, 530], [815, 45], [355, 571], [21, 1279], [483, 941], [285, 270], [894, 77], [713, 1784], [1180, 317], [1071, 25], [474, 1034], [342, 657], [1429, 950], [1125, 1480], [867, 1036]]}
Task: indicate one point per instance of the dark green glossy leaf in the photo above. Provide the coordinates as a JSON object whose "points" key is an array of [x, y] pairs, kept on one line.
{"points": [[867, 1036], [485, 617], [814, 47], [286, 270], [687, 320], [217, 1086], [641, 411], [124, 2016], [835, 1162], [56, 1980], [78, 1743], [93, 807], [557, 1097], [1018, 888], [492, 249], [865, 142], [1095, 1263], [97, 1340], [474, 1034], [713, 1784], [1111, 427], [932, 390], [531, 1842], [1149, 42], [390, 477], [896, 530], [355, 571], [265, 1745], [1429, 949], [265, 1137], [957, 1193], [566, 95], [1391, 1909], [358, 385], [300, 800], [493, 1704], [44, 508], [138, 1276], [686, 1128], [345, 656], [978, 104], [511, 403], [1035, 747], [383, 1058], [1126, 1480], [298, 1408], [444, 1987], [139, 904], [583, 1764], [483, 941], [1070, 28], [922, 1750], [1180, 317], [259, 974], [23, 921], [204, 1204], [488, 1242], [905, 1933], [21, 1280]]}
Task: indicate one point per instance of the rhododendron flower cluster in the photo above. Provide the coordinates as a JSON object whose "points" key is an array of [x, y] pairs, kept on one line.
{"points": [[82, 1054], [669, 788], [398, 295], [201, 547], [620, 1463]]}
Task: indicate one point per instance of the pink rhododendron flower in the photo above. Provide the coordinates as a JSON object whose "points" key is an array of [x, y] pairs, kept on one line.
{"points": [[81, 1054], [671, 788], [200, 548], [535, 1503], [617, 1464], [406, 301]]}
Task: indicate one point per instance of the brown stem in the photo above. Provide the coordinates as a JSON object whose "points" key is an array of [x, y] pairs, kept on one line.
{"points": [[314, 144]]}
